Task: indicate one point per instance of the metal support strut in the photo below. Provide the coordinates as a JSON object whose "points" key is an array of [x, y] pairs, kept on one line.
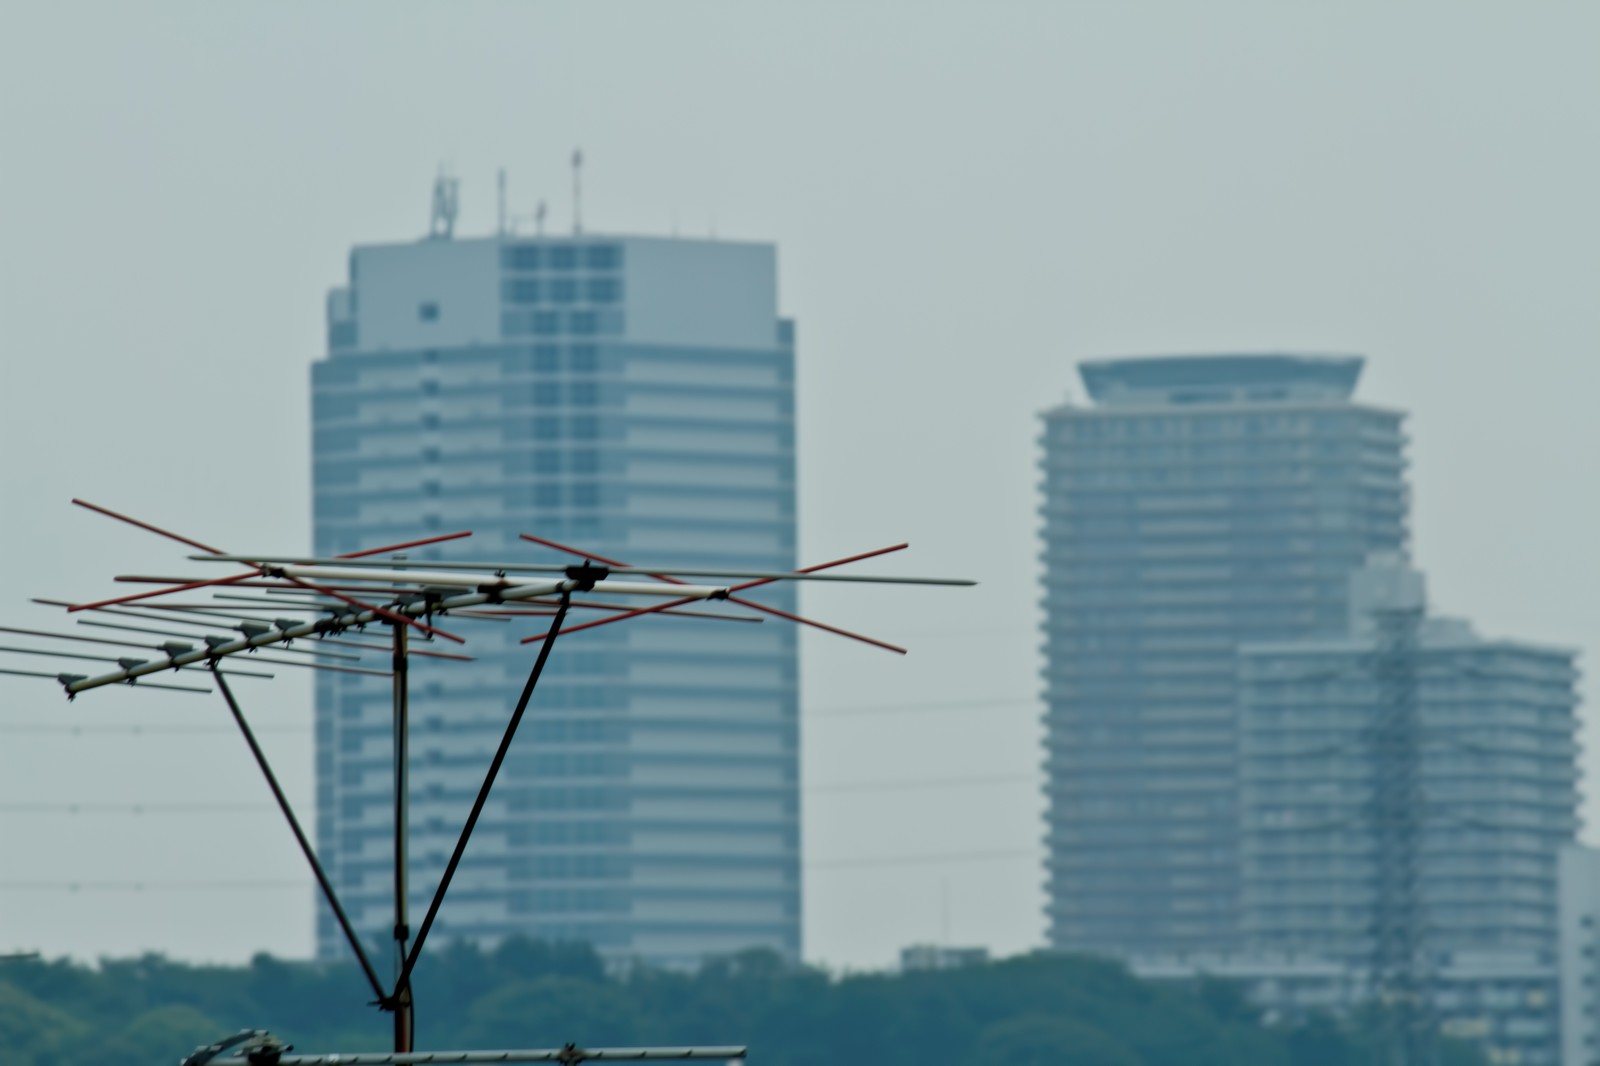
{"points": [[300, 836], [399, 1001]]}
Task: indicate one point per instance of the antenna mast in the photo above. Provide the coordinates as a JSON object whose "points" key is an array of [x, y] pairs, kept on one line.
{"points": [[577, 191], [502, 184], [445, 203]]}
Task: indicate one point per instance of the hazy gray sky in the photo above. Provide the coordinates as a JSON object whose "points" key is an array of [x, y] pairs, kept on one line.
{"points": [[967, 199]]}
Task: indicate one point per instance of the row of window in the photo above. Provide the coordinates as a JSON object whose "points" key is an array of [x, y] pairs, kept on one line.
{"points": [[563, 256], [553, 494], [1245, 473], [543, 394], [566, 900], [1219, 425], [543, 427], [553, 323], [579, 867], [568, 799], [597, 290], [1242, 498], [548, 358], [570, 832], [551, 394], [554, 427], [1185, 450], [554, 461]]}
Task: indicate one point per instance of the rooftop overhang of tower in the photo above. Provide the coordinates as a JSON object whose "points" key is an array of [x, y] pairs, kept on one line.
{"points": [[1210, 378]]}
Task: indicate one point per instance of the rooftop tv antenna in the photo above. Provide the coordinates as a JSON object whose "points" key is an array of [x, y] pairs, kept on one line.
{"points": [[577, 191], [322, 600], [538, 219], [446, 201], [501, 183]]}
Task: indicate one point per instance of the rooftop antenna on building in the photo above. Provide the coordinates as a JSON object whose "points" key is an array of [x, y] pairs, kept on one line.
{"points": [[538, 219], [577, 191], [414, 599], [446, 201], [501, 181]]}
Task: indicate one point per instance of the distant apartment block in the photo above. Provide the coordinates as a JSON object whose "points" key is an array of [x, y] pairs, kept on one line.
{"points": [[1497, 788], [1580, 956], [1492, 801], [634, 397], [921, 957]]}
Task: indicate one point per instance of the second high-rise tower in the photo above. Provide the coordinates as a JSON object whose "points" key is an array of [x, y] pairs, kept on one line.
{"points": [[1192, 505]]}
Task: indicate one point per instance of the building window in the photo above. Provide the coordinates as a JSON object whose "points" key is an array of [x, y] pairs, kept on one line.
{"points": [[603, 290], [546, 358], [546, 323], [428, 311], [584, 358], [547, 495], [585, 461], [547, 461], [586, 427], [563, 290], [586, 495], [585, 394], [520, 291], [603, 257], [584, 323], [520, 257], [546, 394], [342, 335], [563, 257], [546, 428]]}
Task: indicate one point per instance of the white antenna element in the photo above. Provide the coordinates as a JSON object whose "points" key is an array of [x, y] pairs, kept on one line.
{"points": [[501, 228], [446, 202], [577, 191]]}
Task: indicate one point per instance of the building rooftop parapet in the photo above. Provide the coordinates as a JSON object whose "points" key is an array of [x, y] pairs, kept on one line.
{"points": [[1219, 379]]}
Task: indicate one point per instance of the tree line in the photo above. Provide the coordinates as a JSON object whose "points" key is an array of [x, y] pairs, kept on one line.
{"points": [[1035, 1010]]}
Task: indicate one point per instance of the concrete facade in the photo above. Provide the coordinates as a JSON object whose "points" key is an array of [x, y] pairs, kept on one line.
{"points": [[633, 397]]}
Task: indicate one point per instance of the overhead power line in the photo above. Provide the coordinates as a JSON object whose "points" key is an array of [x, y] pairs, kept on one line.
{"points": [[192, 807], [265, 885], [119, 729]]}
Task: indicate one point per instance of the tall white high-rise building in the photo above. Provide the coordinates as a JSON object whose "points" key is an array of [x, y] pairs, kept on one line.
{"points": [[631, 396]]}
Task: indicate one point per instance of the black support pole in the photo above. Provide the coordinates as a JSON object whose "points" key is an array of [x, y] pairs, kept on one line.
{"points": [[403, 985], [404, 1028]]}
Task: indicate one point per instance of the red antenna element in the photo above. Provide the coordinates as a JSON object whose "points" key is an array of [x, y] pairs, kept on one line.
{"points": [[731, 599], [109, 513]]}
